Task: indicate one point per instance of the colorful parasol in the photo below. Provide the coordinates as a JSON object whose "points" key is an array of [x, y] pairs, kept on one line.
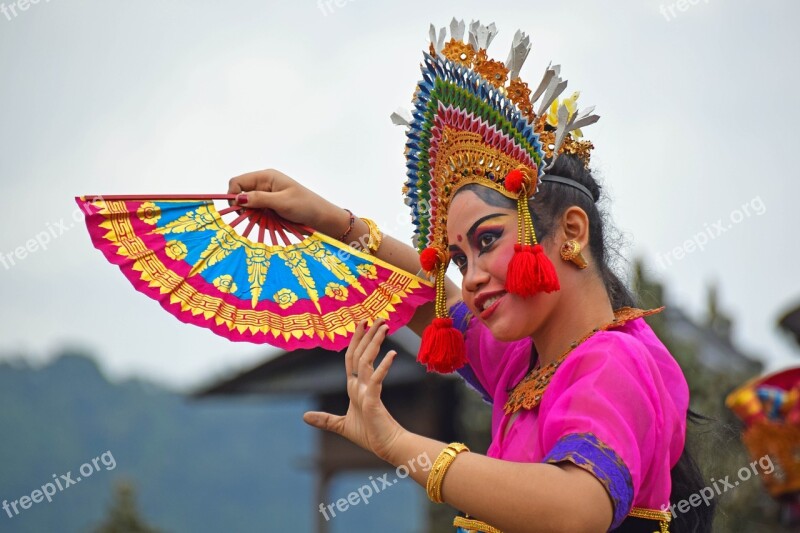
{"points": [[769, 406], [303, 290]]}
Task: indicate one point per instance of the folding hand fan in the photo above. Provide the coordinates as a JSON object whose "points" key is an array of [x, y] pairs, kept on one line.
{"points": [[305, 291]]}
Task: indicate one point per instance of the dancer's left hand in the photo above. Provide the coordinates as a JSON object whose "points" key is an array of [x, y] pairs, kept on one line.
{"points": [[367, 422]]}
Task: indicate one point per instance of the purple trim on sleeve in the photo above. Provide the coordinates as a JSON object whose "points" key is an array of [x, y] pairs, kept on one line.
{"points": [[586, 451], [461, 316]]}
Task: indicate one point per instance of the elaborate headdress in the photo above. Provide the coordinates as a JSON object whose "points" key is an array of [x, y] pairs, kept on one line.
{"points": [[475, 121]]}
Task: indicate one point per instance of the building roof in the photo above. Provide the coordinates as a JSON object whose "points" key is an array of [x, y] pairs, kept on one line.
{"points": [[791, 323], [714, 351], [317, 371]]}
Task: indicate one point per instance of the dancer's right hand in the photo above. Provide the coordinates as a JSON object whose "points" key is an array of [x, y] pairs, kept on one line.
{"points": [[272, 189], [367, 422]]}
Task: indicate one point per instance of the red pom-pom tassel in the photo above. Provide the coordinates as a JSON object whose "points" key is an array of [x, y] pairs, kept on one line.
{"points": [[442, 348], [514, 181], [531, 271], [429, 259]]}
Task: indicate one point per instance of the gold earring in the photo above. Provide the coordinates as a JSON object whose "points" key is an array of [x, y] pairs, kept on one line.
{"points": [[571, 251]]}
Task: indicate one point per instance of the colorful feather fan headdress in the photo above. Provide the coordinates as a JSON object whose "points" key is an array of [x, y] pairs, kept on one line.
{"points": [[475, 121]]}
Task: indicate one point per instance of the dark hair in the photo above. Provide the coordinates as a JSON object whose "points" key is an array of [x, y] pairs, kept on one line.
{"points": [[550, 202]]}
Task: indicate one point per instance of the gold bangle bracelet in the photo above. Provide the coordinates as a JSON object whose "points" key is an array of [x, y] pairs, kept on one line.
{"points": [[375, 236], [663, 517], [470, 524], [439, 469]]}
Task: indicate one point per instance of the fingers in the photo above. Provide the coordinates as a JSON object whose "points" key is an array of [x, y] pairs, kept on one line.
{"points": [[235, 186], [326, 421], [254, 189], [251, 181], [256, 199], [374, 388], [383, 369], [363, 349], [349, 356], [371, 344], [240, 184]]}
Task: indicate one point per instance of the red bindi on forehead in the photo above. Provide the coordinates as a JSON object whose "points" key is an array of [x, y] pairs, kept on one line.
{"points": [[459, 238]]}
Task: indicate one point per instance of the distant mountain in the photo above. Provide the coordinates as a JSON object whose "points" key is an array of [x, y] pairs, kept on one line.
{"points": [[195, 465]]}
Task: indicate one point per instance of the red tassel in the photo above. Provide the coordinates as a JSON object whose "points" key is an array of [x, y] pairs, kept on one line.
{"points": [[514, 181], [428, 259], [442, 348], [531, 271]]}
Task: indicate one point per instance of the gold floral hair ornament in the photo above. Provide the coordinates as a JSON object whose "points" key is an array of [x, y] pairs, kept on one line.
{"points": [[475, 121]]}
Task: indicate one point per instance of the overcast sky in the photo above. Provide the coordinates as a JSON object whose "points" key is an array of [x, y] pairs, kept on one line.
{"points": [[98, 97]]}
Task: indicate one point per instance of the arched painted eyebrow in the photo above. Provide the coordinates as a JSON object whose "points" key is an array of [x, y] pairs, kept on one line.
{"points": [[471, 230]]}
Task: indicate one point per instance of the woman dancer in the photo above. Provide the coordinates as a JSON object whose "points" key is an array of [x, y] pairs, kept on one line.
{"points": [[589, 407]]}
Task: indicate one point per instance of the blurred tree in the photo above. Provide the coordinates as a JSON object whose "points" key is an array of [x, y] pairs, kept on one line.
{"points": [[123, 516]]}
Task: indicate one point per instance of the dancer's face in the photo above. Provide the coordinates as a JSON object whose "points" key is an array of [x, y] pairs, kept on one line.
{"points": [[481, 239]]}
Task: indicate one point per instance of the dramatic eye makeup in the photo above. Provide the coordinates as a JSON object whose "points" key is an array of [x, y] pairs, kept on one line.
{"points": [[479, 237], [486, 237]]}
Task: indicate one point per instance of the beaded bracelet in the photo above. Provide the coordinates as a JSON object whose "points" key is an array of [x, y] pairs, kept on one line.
{"points": [[350, 226], [439, 469]]}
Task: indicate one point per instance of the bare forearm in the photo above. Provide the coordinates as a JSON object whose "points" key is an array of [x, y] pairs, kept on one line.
{"points": [[514, 497]]}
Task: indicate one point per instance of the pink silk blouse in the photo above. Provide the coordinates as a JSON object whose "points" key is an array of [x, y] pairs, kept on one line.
{"points": [[616, 407]]}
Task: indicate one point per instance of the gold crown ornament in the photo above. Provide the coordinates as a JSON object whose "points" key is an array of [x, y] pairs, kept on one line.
{"points": [[475, 121]]}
